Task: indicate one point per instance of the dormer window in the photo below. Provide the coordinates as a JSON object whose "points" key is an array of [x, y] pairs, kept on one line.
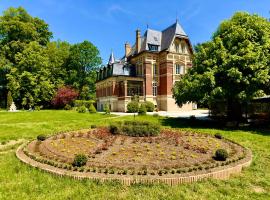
{"points": [[177, 48], [152, 47]]}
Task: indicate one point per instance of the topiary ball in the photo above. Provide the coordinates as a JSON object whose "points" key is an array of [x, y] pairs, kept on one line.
{"points": [[221, 155], [41, 137], [79, 160]]}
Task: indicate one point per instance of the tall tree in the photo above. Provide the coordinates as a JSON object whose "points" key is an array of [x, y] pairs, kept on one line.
{"points": [[31, 81], [233, 67], [83, 61]]}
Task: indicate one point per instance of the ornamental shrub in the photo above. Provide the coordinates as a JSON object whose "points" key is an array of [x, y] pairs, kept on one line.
{"points": [[64, 95], [92, 109], [221, 155], [41, 137], [81, 109], [107, 109], [86, 103], [218, 136], [135, 128], [142, 110], [133, 107], [79, 160], [68, 107], [9, 100], [149, 106]]}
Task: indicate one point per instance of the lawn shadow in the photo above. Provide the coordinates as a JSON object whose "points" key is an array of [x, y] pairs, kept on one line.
{"points": [[212, 124]]}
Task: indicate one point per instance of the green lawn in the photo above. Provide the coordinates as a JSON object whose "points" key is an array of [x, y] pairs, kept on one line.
{"points": [[19, 181]]}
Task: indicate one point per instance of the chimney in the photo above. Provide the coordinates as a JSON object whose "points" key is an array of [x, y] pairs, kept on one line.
{"points": [[127, 49], [138, 40]]}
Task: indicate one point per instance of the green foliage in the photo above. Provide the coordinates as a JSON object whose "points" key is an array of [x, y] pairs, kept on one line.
{"points": [[86, 103], [135, 128], [32, 67], [142, 110], [92, 109], [83, 61], [133, 107], [149, 106], [233, 67], [218, 136], [81, 109], [107, 109], [68, 107], [221, 154], [41, 137], [79, 160], [9, 99]]}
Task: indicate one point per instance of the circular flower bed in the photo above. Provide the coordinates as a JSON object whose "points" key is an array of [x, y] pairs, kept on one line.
{"points": [[170, 154]]}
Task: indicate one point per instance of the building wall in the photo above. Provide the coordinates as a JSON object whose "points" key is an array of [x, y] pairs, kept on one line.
{"points": [[110, 90]]}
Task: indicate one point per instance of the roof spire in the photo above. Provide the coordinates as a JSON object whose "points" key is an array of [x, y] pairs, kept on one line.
{"points": [[111, 59], [176, 17]]}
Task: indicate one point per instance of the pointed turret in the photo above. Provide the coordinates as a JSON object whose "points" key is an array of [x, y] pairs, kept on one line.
{"points": [[111, 59]]}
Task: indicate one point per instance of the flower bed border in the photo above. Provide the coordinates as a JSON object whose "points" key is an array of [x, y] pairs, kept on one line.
{"points": [[215, 173]]}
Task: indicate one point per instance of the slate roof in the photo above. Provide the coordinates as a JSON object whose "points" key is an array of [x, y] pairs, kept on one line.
{"points": [[162, 39]]}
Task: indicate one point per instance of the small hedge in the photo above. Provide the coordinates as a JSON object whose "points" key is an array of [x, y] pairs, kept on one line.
{"points": [[135, 128], [41, 137], [86, 103], [149, 106], [92, 109], [142, 110], [79, 160], [218, 136], [221, 155], [133, 107], [81, 109]]}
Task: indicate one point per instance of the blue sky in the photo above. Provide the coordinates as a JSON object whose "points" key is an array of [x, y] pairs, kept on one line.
{"points": [[109, 24]]}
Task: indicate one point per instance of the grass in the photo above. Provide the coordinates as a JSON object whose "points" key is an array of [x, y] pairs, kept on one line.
{"points": [[19, 181]]}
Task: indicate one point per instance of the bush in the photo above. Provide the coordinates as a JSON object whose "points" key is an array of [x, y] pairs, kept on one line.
{"points": [[218, 136], [114, 129], [68, 107], [133, 107], [81, 109], [93, 126], [64, 95], [9, 100], [86, 103], [221, 155], [107, 109], [149, 106], [135, 128], [79, 160], [92, 109], [41, 137], [142, 110]]}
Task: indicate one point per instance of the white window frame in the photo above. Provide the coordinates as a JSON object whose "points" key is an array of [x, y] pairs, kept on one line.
{"points": [[154, 88], [179, 69]]}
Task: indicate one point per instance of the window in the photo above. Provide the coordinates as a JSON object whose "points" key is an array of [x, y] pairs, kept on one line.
{"points": [[153, 47], [155, 69], [179, 69], [177, 48], [154, 88], [183, 46]]}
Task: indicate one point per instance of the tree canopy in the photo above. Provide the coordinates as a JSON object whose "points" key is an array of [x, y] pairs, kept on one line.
{"points": [[32, 67], [233, 67]]}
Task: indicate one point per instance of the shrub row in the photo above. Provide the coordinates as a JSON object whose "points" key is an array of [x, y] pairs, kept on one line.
{"points": [[135, 106], [160, 172], [135, 128]]}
